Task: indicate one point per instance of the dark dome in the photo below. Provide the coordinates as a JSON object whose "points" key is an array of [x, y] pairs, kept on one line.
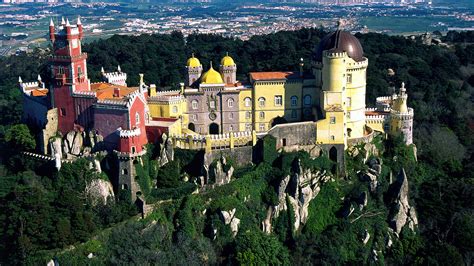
{"points": [[340, 41]]}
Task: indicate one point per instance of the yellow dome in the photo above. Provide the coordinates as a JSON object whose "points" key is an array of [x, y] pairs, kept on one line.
{"points": [[227, 61], [193, 62], [211, 77]]}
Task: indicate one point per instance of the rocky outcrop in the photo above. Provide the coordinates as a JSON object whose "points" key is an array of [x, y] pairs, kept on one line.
{"points": [[372, 174], [99, 191], [302, 186], [228, 217], [222, 172], [401, 213], [166, 151], [73, 143]]}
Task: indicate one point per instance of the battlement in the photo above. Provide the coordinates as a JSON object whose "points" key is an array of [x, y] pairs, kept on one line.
{"points": [[361, 64], [167, 99], [216, 141], [331, 55], [85, 93], [128, 133]]}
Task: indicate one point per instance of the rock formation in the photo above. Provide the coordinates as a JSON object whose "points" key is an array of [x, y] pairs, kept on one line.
{"points": [[302, 186], [166, 151], [228, 217], [221, 174], [401, 213], [99, 191], [373, 173]]}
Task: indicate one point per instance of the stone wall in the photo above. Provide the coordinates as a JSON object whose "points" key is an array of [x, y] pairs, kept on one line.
{"points": [[240, 155], [303, 133]]}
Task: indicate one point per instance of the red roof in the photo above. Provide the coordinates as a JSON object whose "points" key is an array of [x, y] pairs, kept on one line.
{"points": [[277, 75]]}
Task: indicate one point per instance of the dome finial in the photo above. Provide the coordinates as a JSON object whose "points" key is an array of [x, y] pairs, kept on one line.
{"points": [[192, 55], [211, 64], [340, 24]]}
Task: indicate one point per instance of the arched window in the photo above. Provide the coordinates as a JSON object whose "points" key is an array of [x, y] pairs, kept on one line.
{"points": [[294, 100], [175, 109], [261, 102], [230, 102], [248, 102], [307, 99], [194, 104], [231, 128], [147, 117], [137, 118]]}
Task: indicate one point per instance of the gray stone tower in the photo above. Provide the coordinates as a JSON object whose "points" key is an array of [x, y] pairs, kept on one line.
{"points": [[228, 70], [193, 70], [127, 173]]}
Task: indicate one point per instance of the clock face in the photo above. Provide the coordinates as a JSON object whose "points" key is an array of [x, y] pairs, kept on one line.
{"points": [[212, 116]]}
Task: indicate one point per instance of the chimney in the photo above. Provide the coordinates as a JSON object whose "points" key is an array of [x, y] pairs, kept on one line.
{"points": [[116, 92]]}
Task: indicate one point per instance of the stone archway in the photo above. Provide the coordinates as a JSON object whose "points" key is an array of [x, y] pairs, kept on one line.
{"points": [[333, 154], [192, 127], [213, 128]]}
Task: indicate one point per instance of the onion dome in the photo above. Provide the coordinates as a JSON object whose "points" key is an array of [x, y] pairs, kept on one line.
{"points": [[227, 61], [340, 41], [212, 77], [193, 62]]}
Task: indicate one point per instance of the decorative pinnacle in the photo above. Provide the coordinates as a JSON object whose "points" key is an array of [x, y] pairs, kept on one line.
{"points": [[20, 80], [51, 23], [211, 64], [119, 69], [340, 24], [141, 79], [67, 22], [102, 70], [62, 21], [79, 20], [192, 55], [227, 53], [39, 77]]}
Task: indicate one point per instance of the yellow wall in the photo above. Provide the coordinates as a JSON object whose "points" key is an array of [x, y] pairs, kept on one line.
{"points": [[325, 129], [243, 109], [165, 110]]}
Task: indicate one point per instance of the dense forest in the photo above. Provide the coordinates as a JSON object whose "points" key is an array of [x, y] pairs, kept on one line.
{"points": [[44, 212]]}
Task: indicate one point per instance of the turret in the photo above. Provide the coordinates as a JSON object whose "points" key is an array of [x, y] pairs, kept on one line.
{"points": [[79, 27], [193, 70], [228, 69], [68, 29], [401, 116], [51, 30]]}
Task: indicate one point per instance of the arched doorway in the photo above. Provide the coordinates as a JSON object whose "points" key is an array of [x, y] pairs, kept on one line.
{"points": [[333, 154], [192, 127], [213, 128]]}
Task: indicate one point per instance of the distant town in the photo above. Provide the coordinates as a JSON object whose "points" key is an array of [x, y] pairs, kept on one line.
{"points": [[21, 20]]}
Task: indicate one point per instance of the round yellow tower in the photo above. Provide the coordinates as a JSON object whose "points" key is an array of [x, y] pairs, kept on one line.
{"points": [[340, 68]]}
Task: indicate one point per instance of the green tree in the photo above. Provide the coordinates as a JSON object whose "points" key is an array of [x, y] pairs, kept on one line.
{"points": [[256, 248], [20, 138]]}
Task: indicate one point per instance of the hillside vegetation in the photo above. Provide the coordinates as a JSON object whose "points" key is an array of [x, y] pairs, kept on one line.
{"points": [[43, 214]]}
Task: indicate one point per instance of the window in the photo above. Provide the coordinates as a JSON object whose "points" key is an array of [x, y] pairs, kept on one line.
{"points": [[348, 102], [124, 171], [307, 99], [230, 102], [175, 109], [332, 120], [212, 104], [137, 118], [248, 115], [349, 78], [248, 102], [194, 104], [62, 111], [332, 137], [262, 127], [79, 71], [248, 127], [231, 128], [348, 115], [261, 102], [294, 101], [231, 115], [134, 149], [61, 70], [293, 114], [262, 115], [278, 100]]}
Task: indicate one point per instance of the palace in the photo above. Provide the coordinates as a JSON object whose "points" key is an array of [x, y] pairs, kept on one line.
{"points": [[211, 108]]}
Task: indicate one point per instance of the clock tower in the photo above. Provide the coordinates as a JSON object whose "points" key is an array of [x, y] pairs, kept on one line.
{"points": [[69, 71]]}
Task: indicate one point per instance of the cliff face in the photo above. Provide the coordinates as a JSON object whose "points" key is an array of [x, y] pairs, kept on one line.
{"points": [[297, 189]]}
